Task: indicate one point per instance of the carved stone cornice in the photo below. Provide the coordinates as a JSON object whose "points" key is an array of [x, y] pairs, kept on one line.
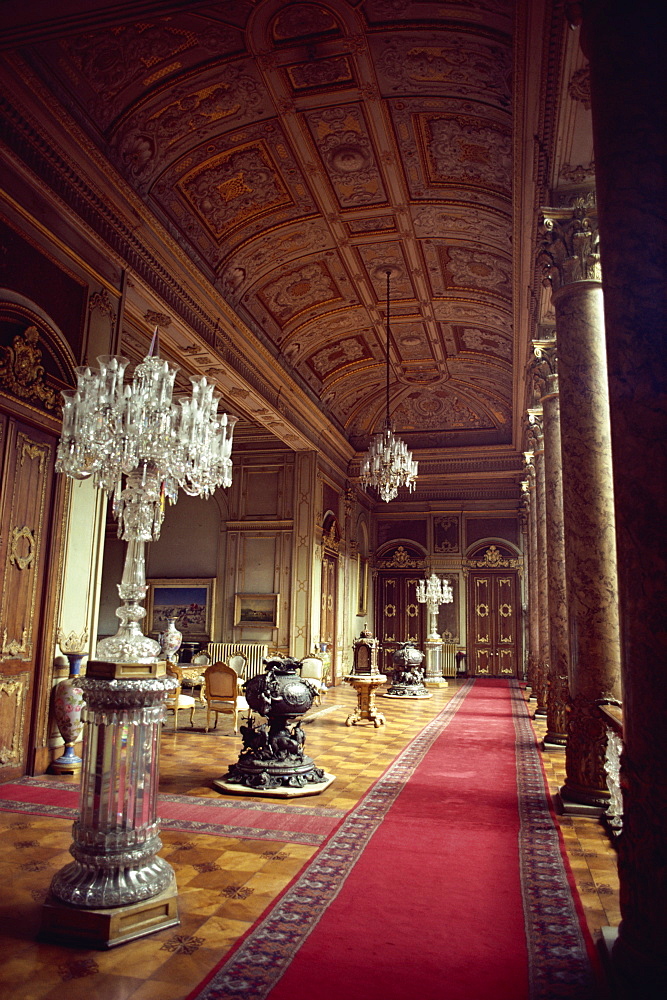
{"points": [[569, 243]]}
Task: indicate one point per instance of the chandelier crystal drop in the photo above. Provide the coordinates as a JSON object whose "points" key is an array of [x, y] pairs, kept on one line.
{"points": [[113, 429], [388, 463]]}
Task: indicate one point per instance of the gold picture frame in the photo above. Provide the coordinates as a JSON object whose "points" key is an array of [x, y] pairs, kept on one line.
{"points": [[362, 585], [189, 601], [256, 610]]}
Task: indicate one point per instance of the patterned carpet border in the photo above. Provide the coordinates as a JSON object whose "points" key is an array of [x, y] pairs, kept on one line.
{"points": [[558, 956], [182, 824], [254, 968]]}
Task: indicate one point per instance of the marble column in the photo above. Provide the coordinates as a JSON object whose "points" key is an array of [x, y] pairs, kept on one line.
{"points": [[542, 673], [557, 680], [533, 601], [626, 52], [572, 266]]}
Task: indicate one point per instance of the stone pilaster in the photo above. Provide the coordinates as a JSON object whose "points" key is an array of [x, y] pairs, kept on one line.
{"points": [[535, 434], [558, 679], [572, 266], [626, 52]]}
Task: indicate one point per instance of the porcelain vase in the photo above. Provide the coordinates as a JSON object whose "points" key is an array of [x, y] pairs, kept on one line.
{"points": [[67, 707], [170, 641]]}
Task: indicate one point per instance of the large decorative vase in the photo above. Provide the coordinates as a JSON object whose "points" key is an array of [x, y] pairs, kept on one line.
{"points": [[408, 675], [170, 641], [67, 707], [273, 760]]}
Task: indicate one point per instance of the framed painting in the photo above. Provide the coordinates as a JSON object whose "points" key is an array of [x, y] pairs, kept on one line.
{"points": [[256, 610], [362, 585], [190, 602]]}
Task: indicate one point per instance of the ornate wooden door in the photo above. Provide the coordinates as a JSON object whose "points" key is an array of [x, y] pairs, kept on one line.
{"points": [[493, 634], [25, 514], [401, 616]]}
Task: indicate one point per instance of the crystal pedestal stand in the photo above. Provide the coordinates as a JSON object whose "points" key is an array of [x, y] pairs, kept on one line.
{"points": [[433, 662], [434, 592], [117, 888]]}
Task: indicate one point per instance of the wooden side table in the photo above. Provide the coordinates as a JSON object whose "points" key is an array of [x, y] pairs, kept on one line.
{"points": [[365, 685]]}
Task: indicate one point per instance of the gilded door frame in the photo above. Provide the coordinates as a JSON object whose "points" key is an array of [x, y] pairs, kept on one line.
{"points": [[400, 562], [496, 565]]}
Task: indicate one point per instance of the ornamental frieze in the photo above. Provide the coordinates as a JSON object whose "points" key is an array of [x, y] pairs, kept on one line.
{"points": [[22, 373], [493, 559], [446, 63], [401, 559], [342, 139]]}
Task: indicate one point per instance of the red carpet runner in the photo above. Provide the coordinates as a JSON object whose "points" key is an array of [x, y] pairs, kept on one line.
{"points": [[445, 883]]}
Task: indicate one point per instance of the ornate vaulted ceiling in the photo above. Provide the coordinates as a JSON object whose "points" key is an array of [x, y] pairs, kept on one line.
{"points": [[296, 152]]}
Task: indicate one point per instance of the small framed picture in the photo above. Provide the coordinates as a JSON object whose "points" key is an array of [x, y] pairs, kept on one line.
{"points": [[256, 610], [190, 602]]}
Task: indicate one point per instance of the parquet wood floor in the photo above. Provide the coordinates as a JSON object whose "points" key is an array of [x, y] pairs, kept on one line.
{"points": [[226, 883]]}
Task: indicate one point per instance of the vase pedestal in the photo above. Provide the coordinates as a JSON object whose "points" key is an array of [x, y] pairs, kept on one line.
{"points": [[117, 888], [106, 928], [365, 685], [434, 678]]}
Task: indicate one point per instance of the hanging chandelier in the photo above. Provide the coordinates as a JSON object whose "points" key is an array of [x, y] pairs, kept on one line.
{"points": [[388, 463], [141, 445]]}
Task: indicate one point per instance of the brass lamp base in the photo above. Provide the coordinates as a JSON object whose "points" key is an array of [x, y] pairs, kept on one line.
{"points": [[106, 928]]}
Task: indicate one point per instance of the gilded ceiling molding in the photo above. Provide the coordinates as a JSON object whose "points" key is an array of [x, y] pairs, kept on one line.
{"points": [[162, 321], [101, 302]]}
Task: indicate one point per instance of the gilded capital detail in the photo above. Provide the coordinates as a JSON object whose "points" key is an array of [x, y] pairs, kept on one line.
{"points": [[569, 243]]}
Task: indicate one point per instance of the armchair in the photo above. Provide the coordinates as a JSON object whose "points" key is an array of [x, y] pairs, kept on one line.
{"points": [[221, 693]]}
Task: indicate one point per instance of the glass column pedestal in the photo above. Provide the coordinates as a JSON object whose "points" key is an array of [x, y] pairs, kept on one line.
{"points": [[117, 888], [433, 663]]}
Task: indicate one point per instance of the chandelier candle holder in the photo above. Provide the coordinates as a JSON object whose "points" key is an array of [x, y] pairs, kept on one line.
{"points": [[388, 463], [140, 445], [434, 592]]}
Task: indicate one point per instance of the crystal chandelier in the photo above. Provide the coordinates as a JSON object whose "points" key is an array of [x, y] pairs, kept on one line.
{"points": [[388, 463], [434, 593], [112, 430]]}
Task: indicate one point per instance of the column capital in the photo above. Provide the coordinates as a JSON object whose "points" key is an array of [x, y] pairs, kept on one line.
{"points": [[569, 243], [535, 429], [545, 367]]}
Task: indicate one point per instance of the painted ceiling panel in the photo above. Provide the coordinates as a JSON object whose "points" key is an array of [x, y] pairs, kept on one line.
{"points": [[296, 153]]}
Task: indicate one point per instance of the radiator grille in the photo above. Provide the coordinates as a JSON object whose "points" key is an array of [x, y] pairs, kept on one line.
{"points": [[254, 651], [449, 659]]}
